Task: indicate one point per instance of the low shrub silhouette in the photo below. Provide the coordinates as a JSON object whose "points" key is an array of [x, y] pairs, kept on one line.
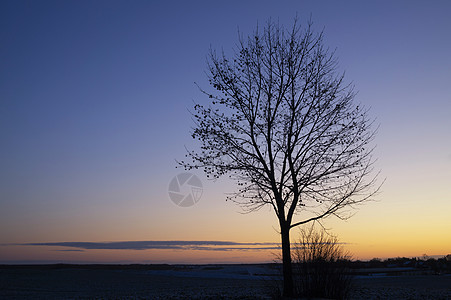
{"points": [[320, 266]]}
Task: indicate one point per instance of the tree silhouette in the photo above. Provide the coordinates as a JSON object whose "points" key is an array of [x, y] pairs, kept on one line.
{"points": [[282, 123]]}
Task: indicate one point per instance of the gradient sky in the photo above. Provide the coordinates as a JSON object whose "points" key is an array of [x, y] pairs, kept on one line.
{"points": [[94, 99]]}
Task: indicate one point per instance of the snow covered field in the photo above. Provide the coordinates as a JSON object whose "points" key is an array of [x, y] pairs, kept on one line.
{"points": [[191, 282]]}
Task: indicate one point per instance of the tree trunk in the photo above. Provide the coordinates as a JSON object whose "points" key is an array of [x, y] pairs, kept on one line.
{"points": [[286, 260]]}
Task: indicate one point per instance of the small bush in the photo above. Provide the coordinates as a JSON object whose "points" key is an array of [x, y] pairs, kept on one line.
{"points": [[320, 266]]}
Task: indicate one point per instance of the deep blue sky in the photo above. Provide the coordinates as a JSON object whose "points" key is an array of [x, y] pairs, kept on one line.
{"points": [[94, 99]]}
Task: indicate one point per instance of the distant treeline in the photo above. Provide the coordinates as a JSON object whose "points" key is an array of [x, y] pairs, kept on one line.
{"points": [[425, 264], [398, 265]]}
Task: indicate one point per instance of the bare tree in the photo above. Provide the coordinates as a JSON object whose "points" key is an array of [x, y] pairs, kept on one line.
{"points": [[283, 124]]}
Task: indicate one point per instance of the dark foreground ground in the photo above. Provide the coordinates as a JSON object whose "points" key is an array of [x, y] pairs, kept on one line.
{"points": [[190, 282]]}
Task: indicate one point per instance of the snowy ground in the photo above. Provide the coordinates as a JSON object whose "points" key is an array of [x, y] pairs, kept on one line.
{"points": [[192, 282]]}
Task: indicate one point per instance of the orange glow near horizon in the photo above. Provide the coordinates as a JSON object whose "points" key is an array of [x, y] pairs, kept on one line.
{"points": [[365, 236], [363, 248]]}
